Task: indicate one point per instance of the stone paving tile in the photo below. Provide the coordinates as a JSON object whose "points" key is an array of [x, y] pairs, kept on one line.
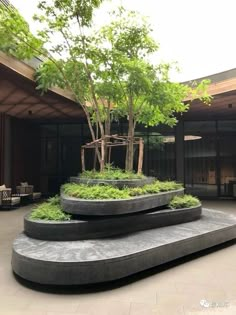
{"points": [[104, 307], [20, 312], [176, 290], [66, 313], [144, 309]]}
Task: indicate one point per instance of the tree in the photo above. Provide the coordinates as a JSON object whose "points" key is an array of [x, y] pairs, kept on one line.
{"points": [[108, 71], [144, 92]]}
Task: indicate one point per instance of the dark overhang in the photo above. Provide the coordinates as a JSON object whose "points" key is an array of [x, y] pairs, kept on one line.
{"points": [[19, 97], [223, 104]]}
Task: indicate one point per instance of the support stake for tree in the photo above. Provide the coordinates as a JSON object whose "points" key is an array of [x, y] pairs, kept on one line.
{"points": [[140, 156], [102, 154], [82, 160], [109, 154]]}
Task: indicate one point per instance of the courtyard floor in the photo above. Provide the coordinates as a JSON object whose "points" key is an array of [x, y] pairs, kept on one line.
{"points": [[202, 283]]}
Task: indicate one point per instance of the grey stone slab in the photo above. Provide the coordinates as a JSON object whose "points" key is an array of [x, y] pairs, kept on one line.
{"points": [[97, 227], [116, 207], [114, 182], [92, 261]]}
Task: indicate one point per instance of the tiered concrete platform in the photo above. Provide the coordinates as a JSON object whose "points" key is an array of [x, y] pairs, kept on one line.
{"points": [[85, 227], [114, 207], [91, 261]]}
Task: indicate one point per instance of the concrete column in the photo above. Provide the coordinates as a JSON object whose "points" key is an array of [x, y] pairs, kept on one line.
{"points": [[179, 140]]}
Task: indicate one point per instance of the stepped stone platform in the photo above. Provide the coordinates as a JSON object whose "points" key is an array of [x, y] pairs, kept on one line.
{"points": [[85, 227], [92, 261], [105, 207]]}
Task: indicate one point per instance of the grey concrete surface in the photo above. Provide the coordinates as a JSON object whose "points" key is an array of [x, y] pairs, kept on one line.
{"points": [[116, 207], [92, 261]]}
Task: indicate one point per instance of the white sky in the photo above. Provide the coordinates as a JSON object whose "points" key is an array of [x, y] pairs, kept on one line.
{"points": [[198, 34]]}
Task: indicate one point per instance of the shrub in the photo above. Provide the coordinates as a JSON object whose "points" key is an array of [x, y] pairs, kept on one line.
{"points": [[95, 192], [185, 201], [111, 172], [50, 210]]}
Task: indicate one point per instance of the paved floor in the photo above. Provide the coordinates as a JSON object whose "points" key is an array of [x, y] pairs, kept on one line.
{"points": [[200, 284]]}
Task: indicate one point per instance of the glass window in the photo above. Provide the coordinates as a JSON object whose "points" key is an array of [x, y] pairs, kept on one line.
{"points": [[227, 126], [70, 130], [160, 155], [199, 127], [161, 129], [48, 130]]}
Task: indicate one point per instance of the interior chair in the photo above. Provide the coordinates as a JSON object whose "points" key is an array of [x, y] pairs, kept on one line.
{"points": [[25, 189], [6, 198]]}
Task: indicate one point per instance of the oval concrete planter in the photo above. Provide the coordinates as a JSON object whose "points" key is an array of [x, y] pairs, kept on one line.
{"points": [[114, 182], [117, 206], [84, 228]]}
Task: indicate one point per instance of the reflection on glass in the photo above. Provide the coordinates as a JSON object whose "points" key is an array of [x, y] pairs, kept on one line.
{"points": [[161, 157], [199, 127], [227, 153], [200, 166], [186, 138]]}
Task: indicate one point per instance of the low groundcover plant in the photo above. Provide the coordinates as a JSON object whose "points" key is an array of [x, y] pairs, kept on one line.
{"points": [[93, 192], [50, 210], [185, 201], [110, 172]]}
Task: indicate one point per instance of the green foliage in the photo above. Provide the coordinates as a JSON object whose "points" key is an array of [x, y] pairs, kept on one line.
{"points": [[65, 9], [155, 188], [111, 172], [15, 36], [109, 192], [168, 185], [54, 200], [94, 192], [185, 201], [50, 210], [136, 191], [155, 99]]}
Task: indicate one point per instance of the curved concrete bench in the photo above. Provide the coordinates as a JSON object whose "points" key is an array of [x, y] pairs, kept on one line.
{"points": [[117, 206], [107, 226], [92, 261], [114, 182]]}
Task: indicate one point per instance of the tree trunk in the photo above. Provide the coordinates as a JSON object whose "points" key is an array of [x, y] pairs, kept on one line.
{"points": [[107, 132], [102, 163], [129, 164]]}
